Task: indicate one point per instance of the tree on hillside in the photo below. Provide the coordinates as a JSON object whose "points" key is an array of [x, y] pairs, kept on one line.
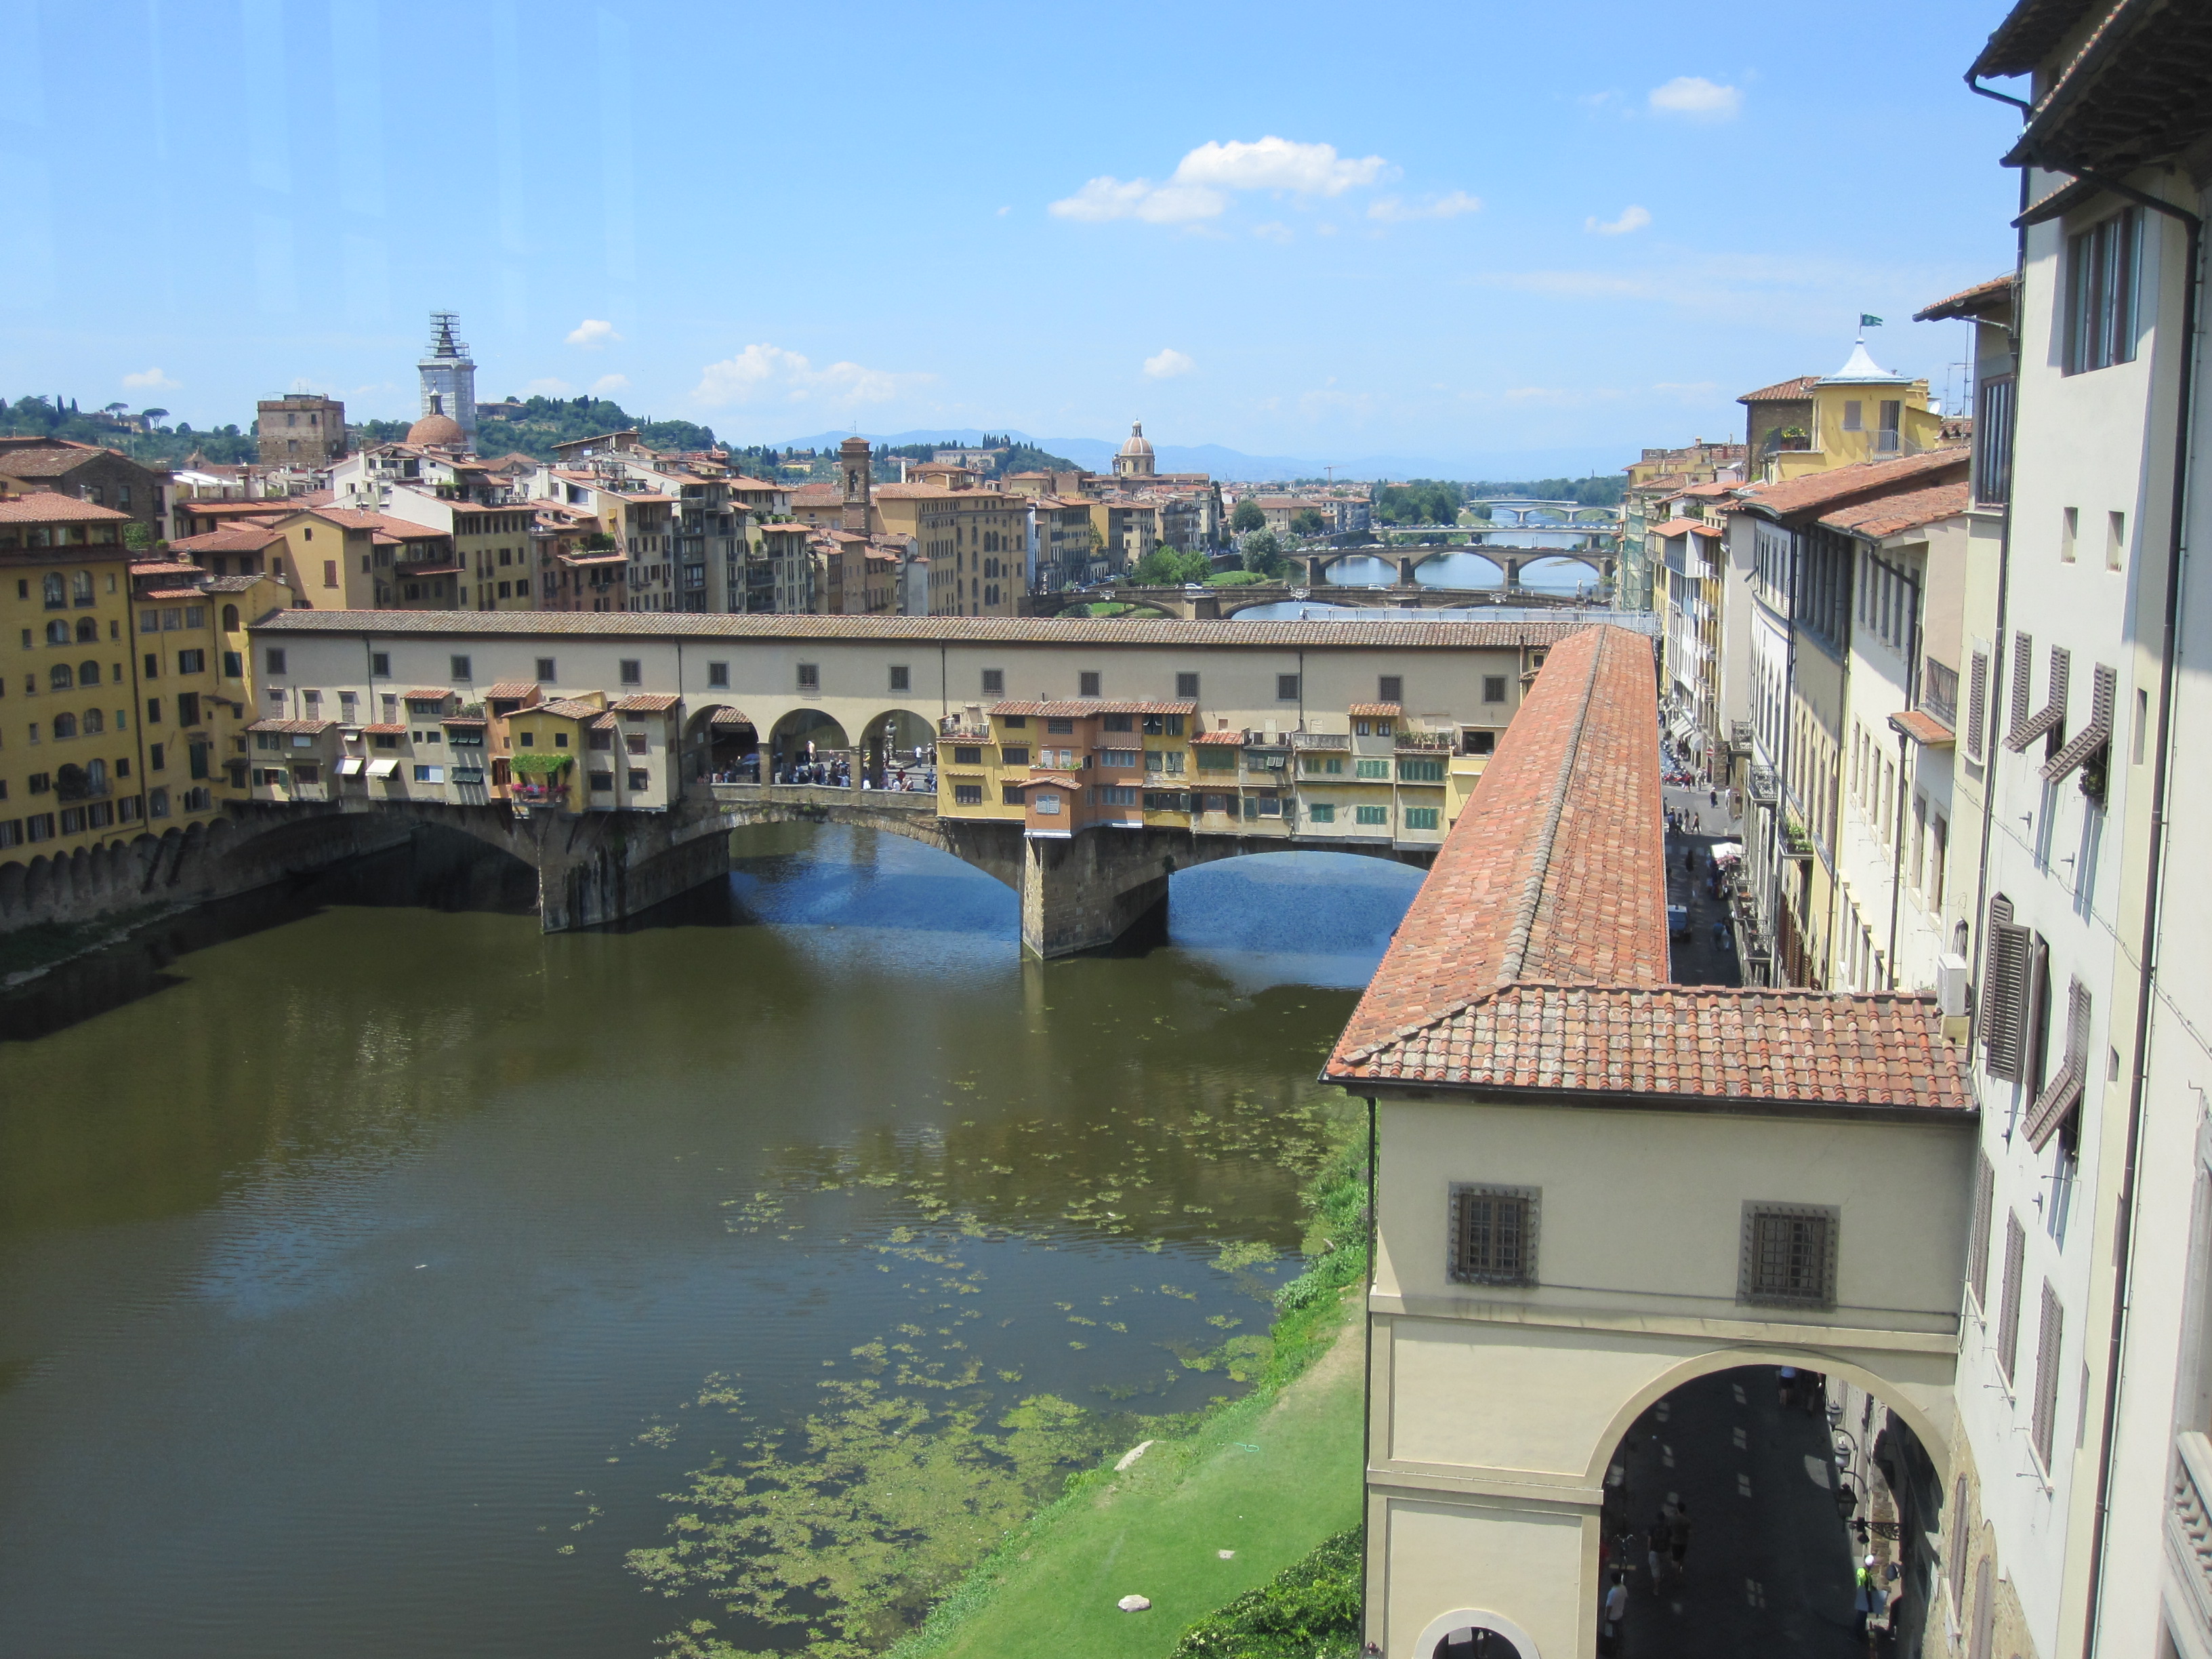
{"points": [[1247, 517]]}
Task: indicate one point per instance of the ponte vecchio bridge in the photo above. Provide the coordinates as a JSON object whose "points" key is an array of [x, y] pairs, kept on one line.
{"points": [[680, 726]]}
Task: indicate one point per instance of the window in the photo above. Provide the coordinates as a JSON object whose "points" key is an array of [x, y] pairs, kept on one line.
{"points": [[188, 709], [1270, 806], [2070, 529], [1010, 794], [1011, 754], [1048, 803], [2005, 993], [639, 780], [2101, 283], [632, 671], [1992, 467], [2009, 1301], [1123, 757], [1186, 687], [1421, 771], [2049, 1332], [2055, 1102], [1115, 794], [1166, 801], [633, 742], [192, 662], [1391, 688], [968, 754], [273, 659], [1324, 765], [1118, 723], [602, 782], [901, 677], [379, 665], [810, 676], [1789, 1255], [429, 774], [1324, 814], [1421, 817], [1493, 1235], [1217, 757], [1370, 769], [967, 794], [157, 803], [1493, 687], [460, 667], [718, 676], [545, 670], [1977, 1238], [56, 591], [1059, 728], [1854, 416], [995, 681], [1371, 814], [1286, 688], [1087, 683]]}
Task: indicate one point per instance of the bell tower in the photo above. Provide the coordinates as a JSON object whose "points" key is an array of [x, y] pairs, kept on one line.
{"points": [[853, 461]]}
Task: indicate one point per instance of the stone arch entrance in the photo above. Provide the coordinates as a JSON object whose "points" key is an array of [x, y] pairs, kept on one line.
{"points": [[720, 746], [807, 737], [1474, 1633], [897, 746]]}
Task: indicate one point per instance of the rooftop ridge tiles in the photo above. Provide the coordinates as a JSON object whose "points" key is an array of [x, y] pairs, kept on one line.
{"points": [[1540, 870]]}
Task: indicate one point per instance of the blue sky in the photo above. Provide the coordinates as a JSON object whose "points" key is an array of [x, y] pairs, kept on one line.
{"points": [[1474, 231]]}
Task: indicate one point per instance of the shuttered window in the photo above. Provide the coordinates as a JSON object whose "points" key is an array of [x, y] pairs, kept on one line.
{"points": [[2050, 1331], [1962, 1538], [1977, 1240], [2023, 658], [2093, 736], [1978, 704], [1493, 1234], [1788, 1254], [2059, 1098], [2004, 993], [2052, 715], [2008, 1305]]}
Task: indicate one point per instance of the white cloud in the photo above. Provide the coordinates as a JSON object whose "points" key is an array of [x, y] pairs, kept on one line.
{"points": [[1391, 210], [592, 333], [610, 383], [1004, 211], [1168, 364], [1275, 230], [1201, 184], [768, 373], [150, 379], [1695, 96], [549, 387], [1631, 218]]}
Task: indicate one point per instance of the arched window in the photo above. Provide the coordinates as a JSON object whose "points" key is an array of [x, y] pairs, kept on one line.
{"points": [[87, 630], [93, 724], [59, 678], [57, 593], [58, 632], [80, 588], [88, 673], [65, 727], [95, 772], [230, 619]]}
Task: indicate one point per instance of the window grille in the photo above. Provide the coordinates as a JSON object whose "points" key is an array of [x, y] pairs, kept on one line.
{"points": [[1493, 1234], [1788, 1256]]}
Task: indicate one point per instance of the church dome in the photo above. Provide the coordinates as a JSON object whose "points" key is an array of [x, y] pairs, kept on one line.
{"points": [[437, 431], [1136, 444]]}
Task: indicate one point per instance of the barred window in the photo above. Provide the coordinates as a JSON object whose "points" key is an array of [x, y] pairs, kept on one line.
{"points": [[1788, 1254], [1493, 1234]]}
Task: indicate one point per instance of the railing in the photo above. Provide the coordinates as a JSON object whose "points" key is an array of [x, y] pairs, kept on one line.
{"points": [[1337, 740], [919, 802], [1939, 691], [953, 727], [2189, 1526], [1440, 740]]}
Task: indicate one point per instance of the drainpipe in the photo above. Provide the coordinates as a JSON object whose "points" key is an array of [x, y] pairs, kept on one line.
{"points": [[1897, 855]]}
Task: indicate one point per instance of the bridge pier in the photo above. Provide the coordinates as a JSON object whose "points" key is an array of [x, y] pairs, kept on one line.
{"points": [[1079, 894]]}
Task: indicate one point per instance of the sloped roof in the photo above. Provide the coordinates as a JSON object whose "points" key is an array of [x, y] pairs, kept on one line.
{"points": [[49, 507], [1782, 392], [1982, 298], [1886, 515], [1094, 706], [1818, 491]]}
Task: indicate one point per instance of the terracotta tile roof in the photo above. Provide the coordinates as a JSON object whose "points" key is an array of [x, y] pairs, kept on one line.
{"points": [[171, 593], [54, 463], [1377, 710], [1688, 527], [231, 539], [427, 694], [1093, 706], [512, 689], [1821, 491], [1924, 728], [568, 708], [463, 719], [1713, 491], [298, 728], [1995, 295], [728, 716], [395, 729], [49, 507], [1236, 737], [164, 567], [1782, 392], [978, 631], [1535, 956], [1886, 515], [647, 703], [227, 583], [1062, 780]]}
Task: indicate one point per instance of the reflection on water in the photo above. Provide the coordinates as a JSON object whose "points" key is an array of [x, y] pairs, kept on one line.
{"points": [[363, 1269]]}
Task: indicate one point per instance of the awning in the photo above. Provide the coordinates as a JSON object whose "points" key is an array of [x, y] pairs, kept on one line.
{"points": [[1727, 852], [350, 765], [382, 768]]}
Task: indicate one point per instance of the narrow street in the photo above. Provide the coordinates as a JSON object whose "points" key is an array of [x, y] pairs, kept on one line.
{"points": [[1768, 1566], [1700, 957]]}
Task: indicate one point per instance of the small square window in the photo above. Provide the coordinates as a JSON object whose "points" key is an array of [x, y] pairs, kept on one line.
{"points": [[545, 675], [810, 676], [1788, 1257], [641, 781], [379, 665], [1391, 689], [273, 658], [1187, 686], [901, 677], [995, 681], [633, 671], [1087, 684], [1286, 688], [1493, 687], [460, 665], [967, 794], [1493, 1234], [718, 676]]}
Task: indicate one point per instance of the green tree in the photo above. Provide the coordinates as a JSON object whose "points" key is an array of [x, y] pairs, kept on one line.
{"points": [[1165, 566], [1248, 517], [1263, 553], [1308, 522]]}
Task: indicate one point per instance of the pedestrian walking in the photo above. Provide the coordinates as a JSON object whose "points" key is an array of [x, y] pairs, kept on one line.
{"points": [[1654, 1543], [1863, 1603], [1786, 1386], [1616, 1609], [1678, 1538]]}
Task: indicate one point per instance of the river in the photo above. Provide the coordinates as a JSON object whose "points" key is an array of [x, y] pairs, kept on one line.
{"points": [[370, 1271]]}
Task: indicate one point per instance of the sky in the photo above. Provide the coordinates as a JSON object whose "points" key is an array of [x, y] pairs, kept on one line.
{"points": [[1483, 232]]}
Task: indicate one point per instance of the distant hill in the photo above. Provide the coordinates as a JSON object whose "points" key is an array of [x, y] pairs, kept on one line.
{"points": [[161, 446], [541, 422]]}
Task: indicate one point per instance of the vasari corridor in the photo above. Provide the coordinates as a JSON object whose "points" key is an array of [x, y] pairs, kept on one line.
{"points": [[1183, 834]]}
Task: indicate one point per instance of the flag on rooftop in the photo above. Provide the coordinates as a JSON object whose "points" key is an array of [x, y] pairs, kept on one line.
{"points": [[1866, 320]]}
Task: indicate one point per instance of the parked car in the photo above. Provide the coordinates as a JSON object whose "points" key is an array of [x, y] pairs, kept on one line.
{"points": [[1677, 920]]}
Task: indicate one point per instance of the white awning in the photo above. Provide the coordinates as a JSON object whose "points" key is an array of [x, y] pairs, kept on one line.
{"points": [[350, 765], [382, 768]]}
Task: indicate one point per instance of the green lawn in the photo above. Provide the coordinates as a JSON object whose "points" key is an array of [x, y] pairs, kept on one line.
{"points": [[1269, 1478]]}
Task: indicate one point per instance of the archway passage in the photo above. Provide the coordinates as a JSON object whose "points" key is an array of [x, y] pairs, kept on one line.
{"points": [[898, 750], [807, 747], [1475, 1641], [1741, 1507], [722, 746]]}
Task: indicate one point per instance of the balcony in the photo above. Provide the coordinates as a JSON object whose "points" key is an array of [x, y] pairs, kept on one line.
{"points": [[953, 725], [1340, 741], [1434, 742], [2188, 1530]]}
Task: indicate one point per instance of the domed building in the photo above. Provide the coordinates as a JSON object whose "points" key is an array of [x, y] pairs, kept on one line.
{"points": [[437, 429], [1134, 459]]}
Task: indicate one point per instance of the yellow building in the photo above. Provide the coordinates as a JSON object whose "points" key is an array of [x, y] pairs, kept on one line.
{"points": [[1862, 412]]}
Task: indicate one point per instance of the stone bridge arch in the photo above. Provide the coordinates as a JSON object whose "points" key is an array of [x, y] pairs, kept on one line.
{"points": [[719, 739]]}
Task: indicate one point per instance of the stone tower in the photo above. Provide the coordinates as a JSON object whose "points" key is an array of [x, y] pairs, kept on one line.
{"points": [[449, 374], [853, 461]]}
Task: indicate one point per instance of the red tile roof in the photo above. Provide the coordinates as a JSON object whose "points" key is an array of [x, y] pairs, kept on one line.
{"points": [[427, 694], [171, 593], [1063, 779], [49, 507], [1236, 737], [1092, 706], [1782, 392], [50, 463], [1982, 298], [1535, 957], [1383, 710], [511, 689], [1688, 527], [393, 730], [231, 539], [1886, 515], [1924, 728], [1820, 491], [647, 703], [298, 728], [569, 709]]}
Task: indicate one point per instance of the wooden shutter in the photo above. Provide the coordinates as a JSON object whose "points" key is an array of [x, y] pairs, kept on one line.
{"points": [[2053, 714], [2009, 1304], [1978, 702], [2023, 658], [2106, 686], [2044, 1420], [2004, 993], [1977, 1240], [2063, 1093]]}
